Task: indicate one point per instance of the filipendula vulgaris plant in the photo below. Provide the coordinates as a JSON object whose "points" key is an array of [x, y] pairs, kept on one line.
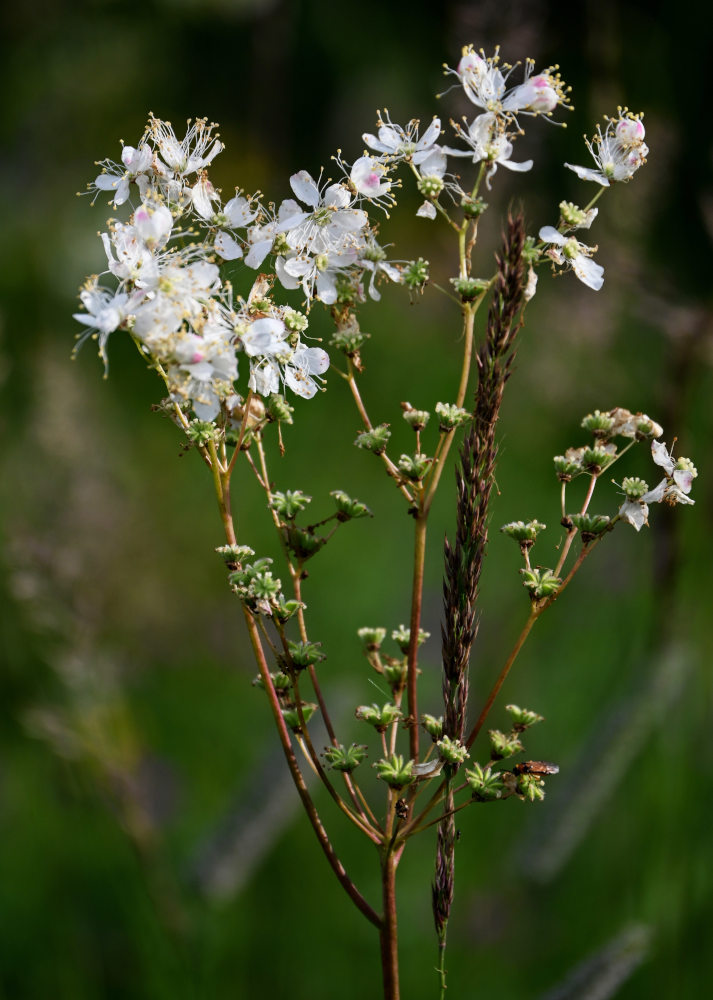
{"points": [[230, 364]]}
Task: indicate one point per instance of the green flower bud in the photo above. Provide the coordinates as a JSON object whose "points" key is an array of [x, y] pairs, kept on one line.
{"points": [[372, 637], [374, 440], [281, 682], [469, 289], [348, 337], [530, 253], [202, 432], [294, 319], [395, 672], [568, 466], [523, 718], [524, 532], [598, 423], [292, 718], [540, 582], [590, 525], [414, 467], [452, 751], [264, 304], [529, 786], [417, 419], [348, 509], [472, 207], [416, 274], [451, 416], [277, 408], [235, 553], [486, 785], [283, 610], [634, 487], [402, 637], [596, 459], [303, 543], [394, 771], [377, 717], [430, 187], [304, 654], [433, 726], [289, 504], [346, 760], [572, 214], [503, 744]]}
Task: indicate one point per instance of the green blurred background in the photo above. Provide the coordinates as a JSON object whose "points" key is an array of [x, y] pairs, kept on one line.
{"points": [[150, 843]]}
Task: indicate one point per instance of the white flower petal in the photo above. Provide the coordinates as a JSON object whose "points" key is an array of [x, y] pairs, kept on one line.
{"points": [[305, 188]]}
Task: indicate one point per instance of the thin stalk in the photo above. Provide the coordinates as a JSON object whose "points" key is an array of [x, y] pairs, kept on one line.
{"points": [[416, 604], [388, 932]]}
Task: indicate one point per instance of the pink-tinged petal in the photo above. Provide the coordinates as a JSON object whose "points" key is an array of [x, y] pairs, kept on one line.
{"points": [[683, 479], [305, 188]]}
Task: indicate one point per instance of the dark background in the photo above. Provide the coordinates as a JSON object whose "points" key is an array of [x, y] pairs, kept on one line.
{"points": [[150, 843]]}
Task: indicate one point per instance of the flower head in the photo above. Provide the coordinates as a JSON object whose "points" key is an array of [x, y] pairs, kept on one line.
{"points": [[618, 152], [571, 253]]}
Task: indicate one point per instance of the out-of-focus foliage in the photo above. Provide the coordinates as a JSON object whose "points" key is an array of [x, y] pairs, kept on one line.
{"points": [[151, 845]]}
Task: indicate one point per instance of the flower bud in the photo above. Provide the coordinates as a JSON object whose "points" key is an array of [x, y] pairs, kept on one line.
{"points": [[451, 416], [503, 744], [529, 787], [304, 654], [345, 760], [416, 273], [523, 718], [524, 532], [430, 187], [348, 337], [348, 509], [402, 637], [394, 771], [283, 609], [396, 673], [292, 716], [277, 408], [540, 582], [235, 553], [374, 440], [289, 504], [294, 320], [281, 682], [634, 487], [470, 288], [485, 784], [599, 424], [377, 717], [303, 543], [417, 419], [372, 637], [202, 432], [590, 525], [414, 467], [452, 751], [433, 726], [597, 458], [472, 207], [574, 216]]}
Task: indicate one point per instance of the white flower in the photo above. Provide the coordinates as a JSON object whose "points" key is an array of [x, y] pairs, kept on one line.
{"points": [[133, 261], [397, 143], [679, 478], [569, 251], [488, 141], [331, 225], [486, 86], [618, 152], [106, 311], [367, 175], [136, 162], [305, 363], [196, 150], [153, 223]]}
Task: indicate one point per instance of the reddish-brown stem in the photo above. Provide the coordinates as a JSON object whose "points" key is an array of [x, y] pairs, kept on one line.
{"points": [[573, 531], [324, 842], [389, 929]]}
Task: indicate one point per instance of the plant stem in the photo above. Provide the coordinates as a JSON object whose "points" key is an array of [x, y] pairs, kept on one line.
{"points": [[388, 933], [416, 604]]}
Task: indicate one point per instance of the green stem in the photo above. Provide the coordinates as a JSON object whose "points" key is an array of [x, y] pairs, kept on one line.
{"points": [[415, 626]]}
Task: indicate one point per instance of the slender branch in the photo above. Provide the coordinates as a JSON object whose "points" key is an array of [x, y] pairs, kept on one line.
{"points": [[415, 627]]}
